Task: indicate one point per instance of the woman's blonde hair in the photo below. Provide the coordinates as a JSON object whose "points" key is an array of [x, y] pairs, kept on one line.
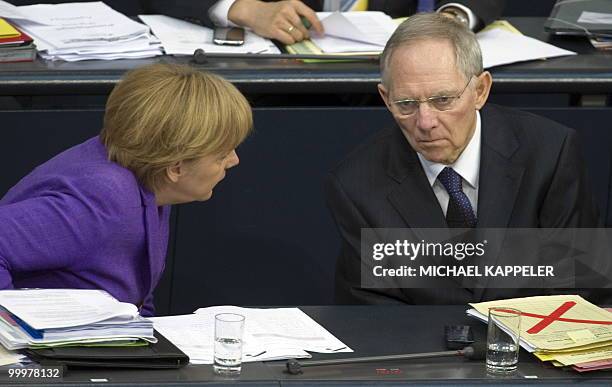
{"points": [[161, 114]]}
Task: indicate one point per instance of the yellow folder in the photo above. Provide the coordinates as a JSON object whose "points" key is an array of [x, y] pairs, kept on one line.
{"points": [[7, 30]]}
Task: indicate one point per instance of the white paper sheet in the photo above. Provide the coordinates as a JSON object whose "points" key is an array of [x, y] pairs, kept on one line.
{"points": [[595, 18], [194, 335], [270, 334], [179, 37], [503, 47], [288, 327], [9, 357], [57, 308], [81, 24], [9, 11], [354, 31]]}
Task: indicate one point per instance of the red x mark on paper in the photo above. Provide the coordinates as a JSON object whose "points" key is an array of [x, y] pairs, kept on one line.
{"points": [[556, 316]]}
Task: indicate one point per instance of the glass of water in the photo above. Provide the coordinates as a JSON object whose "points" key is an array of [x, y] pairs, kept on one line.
{"points": [[503, 336], [228, 344]]}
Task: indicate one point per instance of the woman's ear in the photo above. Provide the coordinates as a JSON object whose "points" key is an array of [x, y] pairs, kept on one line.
{"points": [[175, 171]]}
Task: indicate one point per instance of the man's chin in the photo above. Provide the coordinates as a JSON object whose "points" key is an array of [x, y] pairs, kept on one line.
{"points": [[437, 157]]}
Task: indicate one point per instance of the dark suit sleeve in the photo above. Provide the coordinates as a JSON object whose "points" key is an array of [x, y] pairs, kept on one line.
{"points": [[349, 264], [196, 10], [569, 204], [569, 201], [485, 10]]}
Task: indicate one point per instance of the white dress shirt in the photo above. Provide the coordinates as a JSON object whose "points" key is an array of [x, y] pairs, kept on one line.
{"points": [[467, 166]]}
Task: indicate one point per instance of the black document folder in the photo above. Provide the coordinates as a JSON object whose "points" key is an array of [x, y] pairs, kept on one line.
{"points": [[565, 14], [162, 354]]}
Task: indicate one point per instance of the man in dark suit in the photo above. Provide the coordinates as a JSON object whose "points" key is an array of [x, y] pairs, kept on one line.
{"points": [[450, 162], [280, 20]]}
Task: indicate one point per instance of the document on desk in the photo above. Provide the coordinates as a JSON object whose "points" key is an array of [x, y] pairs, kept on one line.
{"points": [[179, 37], [500, 47], [194, 335], [354, 31], [9, 357], [556, 323], [270, 334], [288, 327], [79, 31], [9, 11], [58, 308]]}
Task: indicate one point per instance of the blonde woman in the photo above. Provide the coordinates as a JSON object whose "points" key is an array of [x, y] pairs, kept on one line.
{"points": [[96, 215]]}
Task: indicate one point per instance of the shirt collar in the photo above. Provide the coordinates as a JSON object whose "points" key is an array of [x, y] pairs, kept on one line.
{"points": [[467, 165]]}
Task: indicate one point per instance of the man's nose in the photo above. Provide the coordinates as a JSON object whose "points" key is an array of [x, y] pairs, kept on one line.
{"points": [[427, 117]]}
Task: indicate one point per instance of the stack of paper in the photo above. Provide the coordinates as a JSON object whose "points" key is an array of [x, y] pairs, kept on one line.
{"points": [[348, 33], [601, 43], [565, 330], [53, 317], [15, 45], [270, 334], [80, 31], [364, 33], [179, 37]]}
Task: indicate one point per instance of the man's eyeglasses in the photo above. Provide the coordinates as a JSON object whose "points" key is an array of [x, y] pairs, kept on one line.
{"points": [[408, 107]]}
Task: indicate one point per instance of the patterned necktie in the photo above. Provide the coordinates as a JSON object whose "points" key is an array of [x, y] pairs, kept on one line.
{"points": [[426, 6], [459, 212]]}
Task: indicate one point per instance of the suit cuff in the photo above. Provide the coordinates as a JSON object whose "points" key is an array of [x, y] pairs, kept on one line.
{"points": [[218, 13], [473, 21]]}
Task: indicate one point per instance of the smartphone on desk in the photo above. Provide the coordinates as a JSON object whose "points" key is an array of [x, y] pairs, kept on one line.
{"points": [[230, 36]]}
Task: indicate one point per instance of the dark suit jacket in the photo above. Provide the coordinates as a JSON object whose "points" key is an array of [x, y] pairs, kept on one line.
{"points": [[485, 10], [531, 176]]}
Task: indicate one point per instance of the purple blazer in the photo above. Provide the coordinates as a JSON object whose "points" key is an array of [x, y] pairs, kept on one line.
{"points": [[81, 221]]}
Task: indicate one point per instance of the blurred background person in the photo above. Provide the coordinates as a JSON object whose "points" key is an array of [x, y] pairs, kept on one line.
{"points": [[281, 20]]}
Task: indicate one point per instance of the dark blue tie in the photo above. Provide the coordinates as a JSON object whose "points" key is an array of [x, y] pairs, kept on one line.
{"points": [[459, 212], [426, 5]]}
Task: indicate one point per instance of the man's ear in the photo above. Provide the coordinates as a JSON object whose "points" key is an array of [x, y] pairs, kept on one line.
{"points": [[483, 87], [175, 171], [384, 94]]}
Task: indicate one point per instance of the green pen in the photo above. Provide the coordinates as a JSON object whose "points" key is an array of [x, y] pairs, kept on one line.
{"points": [[305, 22]]}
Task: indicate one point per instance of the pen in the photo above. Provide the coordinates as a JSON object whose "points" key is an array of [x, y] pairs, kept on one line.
{"points": [[305, 22]]}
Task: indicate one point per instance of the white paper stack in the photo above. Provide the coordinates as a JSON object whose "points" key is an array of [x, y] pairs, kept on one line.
{"points": [[81, 31], [179, 37], [270, 334], [53, 317], [354, 31]]}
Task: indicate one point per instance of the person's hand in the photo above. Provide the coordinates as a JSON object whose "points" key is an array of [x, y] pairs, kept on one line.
{"points": [[278, 20]]}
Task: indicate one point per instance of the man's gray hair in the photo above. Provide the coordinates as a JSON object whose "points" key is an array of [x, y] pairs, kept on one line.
{"points": [[426, 26]]}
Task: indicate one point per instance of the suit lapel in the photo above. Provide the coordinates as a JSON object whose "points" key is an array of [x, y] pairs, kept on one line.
{"points": [[499, 183], [500, 177], [413, 197], [415, 201]]}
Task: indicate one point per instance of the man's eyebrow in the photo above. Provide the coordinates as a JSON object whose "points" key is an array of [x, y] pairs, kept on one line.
{"points": [[442, 93]]}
